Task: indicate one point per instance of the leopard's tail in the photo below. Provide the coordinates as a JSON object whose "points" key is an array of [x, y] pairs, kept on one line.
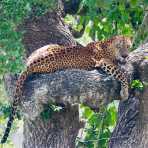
{"points": [[16, 102]]}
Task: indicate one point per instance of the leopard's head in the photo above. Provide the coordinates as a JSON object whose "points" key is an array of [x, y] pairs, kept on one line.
{"points": [[122, 45]]}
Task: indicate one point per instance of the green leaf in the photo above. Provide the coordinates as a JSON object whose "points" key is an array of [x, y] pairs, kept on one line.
{"points": [[134, 2], [137, 84]]}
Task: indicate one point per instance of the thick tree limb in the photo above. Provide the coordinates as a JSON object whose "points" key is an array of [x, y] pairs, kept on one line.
{"points": [[66, 87]]}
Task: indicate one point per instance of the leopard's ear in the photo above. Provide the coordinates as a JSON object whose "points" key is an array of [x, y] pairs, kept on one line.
{"points": [[129, 37]]}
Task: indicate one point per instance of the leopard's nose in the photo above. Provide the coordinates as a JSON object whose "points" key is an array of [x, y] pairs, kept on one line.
{"points": [[124, 55]]}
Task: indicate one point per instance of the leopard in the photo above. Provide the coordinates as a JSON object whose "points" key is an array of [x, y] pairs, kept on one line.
{"points": [[54, 57]]}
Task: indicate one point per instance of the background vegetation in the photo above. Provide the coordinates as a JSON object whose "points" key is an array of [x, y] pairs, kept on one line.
{"points": [[95, 20]]}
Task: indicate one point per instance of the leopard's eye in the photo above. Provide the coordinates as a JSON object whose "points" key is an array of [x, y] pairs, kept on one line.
{"points": [[118, 46], [128, 46]]}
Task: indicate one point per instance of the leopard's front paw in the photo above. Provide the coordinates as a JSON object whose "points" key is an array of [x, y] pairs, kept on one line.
{"points": [[124, 93]]}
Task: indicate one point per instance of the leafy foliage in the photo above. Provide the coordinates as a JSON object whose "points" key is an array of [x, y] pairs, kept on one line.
{"points": [[108, 17], [98, 126]]}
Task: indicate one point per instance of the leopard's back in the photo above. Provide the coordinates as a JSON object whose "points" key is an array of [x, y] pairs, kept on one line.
{"points": [[54, 57]]}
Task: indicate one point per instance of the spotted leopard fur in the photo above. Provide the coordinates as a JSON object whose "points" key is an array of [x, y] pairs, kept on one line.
{"points": [[54, 57]]}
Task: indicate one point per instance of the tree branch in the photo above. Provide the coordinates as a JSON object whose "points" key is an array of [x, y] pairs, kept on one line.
{"points": [[67, 87]]}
